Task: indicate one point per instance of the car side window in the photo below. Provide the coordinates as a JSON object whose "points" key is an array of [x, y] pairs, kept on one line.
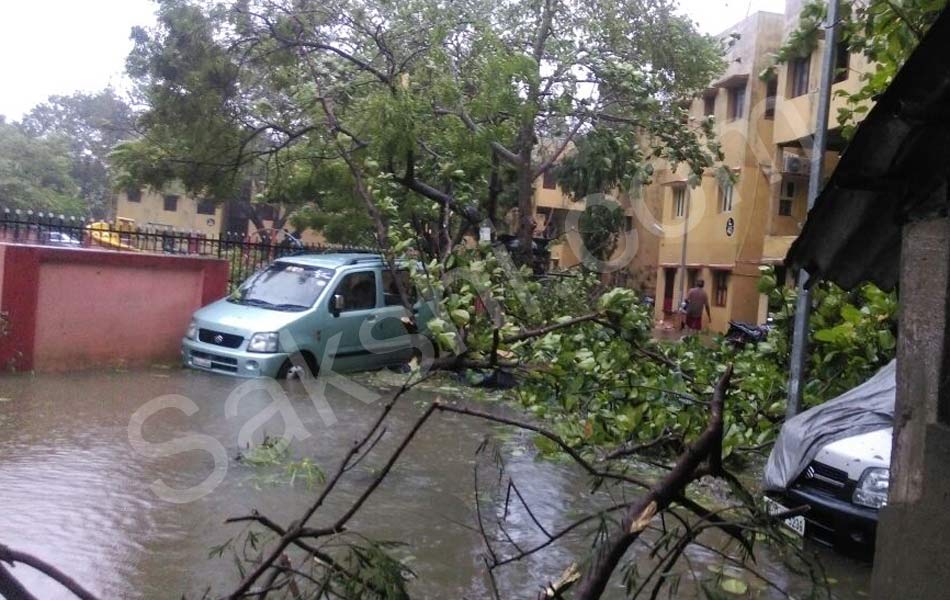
{"points": [[358, 290], [391, 290]]}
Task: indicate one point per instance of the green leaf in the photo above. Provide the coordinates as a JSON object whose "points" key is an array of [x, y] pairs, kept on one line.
{"points": [[460, 317], [886, 340], [734, 586], [851, 313]]}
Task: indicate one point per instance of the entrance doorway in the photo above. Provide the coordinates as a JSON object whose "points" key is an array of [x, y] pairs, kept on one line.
{"points": [[669, 280]]}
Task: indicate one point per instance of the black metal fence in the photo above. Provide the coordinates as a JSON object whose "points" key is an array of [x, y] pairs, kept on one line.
{"points": [[246, 253]]}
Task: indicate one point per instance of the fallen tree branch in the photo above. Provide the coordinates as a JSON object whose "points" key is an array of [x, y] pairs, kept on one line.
{"points": [[626, 450], [639, 515], [11, 589], [298, 529], [11, 556], [534, 333], [654, 356]]}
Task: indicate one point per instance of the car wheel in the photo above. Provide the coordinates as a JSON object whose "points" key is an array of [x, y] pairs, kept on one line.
{"points": [[297, 367]]}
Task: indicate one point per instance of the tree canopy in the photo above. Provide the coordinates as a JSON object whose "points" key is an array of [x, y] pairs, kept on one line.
{"points": [[35, 174], [90, 125], [448, 111]]}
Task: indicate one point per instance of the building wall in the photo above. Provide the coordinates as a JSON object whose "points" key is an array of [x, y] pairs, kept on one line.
{"points": [[79, 308], [795, 116], [729, 242], [754, 147], [150, 211]]}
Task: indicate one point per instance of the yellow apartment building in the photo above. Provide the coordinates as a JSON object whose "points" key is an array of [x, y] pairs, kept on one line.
{"points": [[172, 209], [794, 128], [169, 209], [724, 228]]}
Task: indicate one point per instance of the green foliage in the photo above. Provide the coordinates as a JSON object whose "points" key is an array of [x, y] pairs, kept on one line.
{"points": [[597, 390], [35, 174], [604, 160], [423, 96], [91, 125], [801, 42], [852, 334], [274, 453], [374, 573], [190, 86], [600, 227]]}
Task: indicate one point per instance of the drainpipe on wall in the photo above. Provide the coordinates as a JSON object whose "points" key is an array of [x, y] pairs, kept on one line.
{"points": [[803, 306]]}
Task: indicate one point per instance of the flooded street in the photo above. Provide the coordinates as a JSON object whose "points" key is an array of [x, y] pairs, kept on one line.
{"points": [[75, 492]]}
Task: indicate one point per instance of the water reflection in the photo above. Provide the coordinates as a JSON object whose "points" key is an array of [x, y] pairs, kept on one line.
{"points": [[73, 492]]}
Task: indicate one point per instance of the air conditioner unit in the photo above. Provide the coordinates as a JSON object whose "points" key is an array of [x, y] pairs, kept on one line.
{"points": [[796, 165]]}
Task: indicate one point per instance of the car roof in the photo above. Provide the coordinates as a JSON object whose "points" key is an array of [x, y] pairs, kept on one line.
{"points": [[333, 260]]}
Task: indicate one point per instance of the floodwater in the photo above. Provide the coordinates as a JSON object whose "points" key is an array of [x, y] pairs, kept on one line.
{"points": [[75, 491]]}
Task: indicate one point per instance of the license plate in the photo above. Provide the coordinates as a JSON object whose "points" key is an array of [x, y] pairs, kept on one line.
{"points": [[796, 524], [200, 361]]}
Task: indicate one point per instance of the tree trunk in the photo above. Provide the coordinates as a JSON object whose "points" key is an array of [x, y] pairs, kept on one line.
{"points": [[494, 189], [525, 208]]}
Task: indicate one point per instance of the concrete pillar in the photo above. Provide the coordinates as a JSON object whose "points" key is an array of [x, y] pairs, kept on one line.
{"points": [[912, 537]]}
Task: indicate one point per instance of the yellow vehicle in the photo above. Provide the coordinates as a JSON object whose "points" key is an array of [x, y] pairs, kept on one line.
{"points": [[113, 235]]}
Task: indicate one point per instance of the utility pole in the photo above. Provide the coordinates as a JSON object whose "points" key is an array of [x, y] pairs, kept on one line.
{"points": [[803, 306]]}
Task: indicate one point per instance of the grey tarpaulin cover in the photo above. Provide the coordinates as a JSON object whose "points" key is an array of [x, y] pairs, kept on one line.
{"points": [[868, 407]]}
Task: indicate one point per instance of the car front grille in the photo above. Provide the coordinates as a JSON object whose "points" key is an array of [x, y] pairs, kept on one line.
{"points": [[821, 477], [219, 338], [220, 363]]}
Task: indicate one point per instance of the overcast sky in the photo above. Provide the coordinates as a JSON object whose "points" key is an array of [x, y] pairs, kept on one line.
{"points": [[52, 47]]}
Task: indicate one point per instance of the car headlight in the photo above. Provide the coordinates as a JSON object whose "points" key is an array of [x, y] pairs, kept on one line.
{"points": [[192, 331], [871, 490], [263, 342]]}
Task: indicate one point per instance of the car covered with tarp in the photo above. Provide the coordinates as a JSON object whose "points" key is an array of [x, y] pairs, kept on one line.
{"points": [[835, 459]]}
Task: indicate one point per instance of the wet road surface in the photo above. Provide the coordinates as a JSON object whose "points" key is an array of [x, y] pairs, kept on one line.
{"points": [[75, 491]]}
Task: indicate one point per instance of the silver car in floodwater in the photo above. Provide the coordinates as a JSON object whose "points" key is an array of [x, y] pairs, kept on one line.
{"points": [[340, 312]]}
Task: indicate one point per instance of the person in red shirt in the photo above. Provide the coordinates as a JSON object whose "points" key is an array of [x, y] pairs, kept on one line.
{"points": [[696, 301]]}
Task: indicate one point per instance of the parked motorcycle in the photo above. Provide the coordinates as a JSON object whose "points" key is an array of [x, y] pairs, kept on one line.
{"points": [[741, 333]]}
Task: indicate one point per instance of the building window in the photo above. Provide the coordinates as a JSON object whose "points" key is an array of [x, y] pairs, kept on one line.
{"points": [[709, 104], [842, 62], [171, 202], [786, 198], [736, 103], [798, 76], [720, 287], [133, 194], [679, 201], [726, 191], [771, 91], [206, 207], [548, 180]]}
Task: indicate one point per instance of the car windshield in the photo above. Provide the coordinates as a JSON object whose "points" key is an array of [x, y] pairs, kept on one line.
{"points": [[284, 286]]}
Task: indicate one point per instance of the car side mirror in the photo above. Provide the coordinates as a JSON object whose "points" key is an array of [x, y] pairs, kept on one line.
{"points": [[337, 304]]}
